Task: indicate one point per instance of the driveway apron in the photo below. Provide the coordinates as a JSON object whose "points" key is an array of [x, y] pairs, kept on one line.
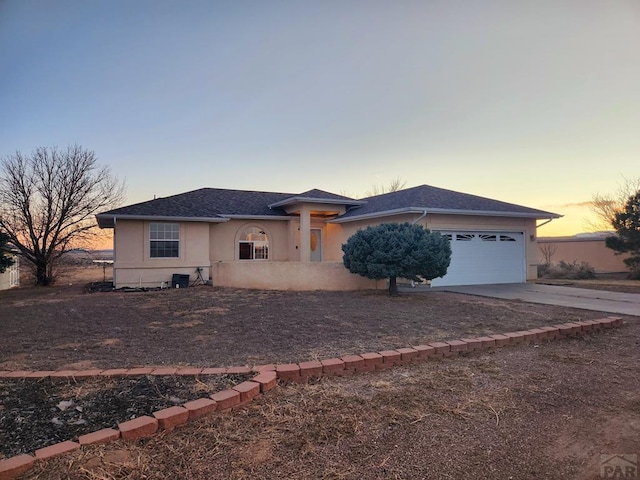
{"points": [[598, 300]]}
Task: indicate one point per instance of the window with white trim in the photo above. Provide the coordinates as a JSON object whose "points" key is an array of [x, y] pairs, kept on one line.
{"points": [[164, 240], [253, 244]]}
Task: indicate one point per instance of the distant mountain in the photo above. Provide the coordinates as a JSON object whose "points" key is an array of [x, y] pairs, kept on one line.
{"points": [[102, 254], [82, 255]]}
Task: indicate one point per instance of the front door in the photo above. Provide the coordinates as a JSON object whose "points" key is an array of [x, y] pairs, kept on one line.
{"points": [[316, 244]]}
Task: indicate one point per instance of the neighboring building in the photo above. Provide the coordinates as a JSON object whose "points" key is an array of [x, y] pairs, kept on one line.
{"points": [[584, 247], [11, 276], [273, 240]]}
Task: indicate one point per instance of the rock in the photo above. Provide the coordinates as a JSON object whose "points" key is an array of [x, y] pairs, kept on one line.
{"points": [[65, 404]]}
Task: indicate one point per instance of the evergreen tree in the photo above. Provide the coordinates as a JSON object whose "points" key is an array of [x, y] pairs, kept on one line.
{"points": [[392, 250], [5, 260], [627, 240]]}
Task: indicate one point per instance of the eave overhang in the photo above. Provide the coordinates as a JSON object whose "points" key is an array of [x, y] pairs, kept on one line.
{"points": [[445, 211], [329, 201], [257, 217], [109, 220]]}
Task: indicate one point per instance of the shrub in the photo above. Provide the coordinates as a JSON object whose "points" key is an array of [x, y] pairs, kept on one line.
{"points": [[570, 271], [397, 250]]}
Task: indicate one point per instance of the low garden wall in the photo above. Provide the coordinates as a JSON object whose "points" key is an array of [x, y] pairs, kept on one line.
{"points": [[302, 276]]}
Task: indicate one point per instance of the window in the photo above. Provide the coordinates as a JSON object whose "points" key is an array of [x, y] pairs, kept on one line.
{"points": [[464, 237], [254, 244], [488, 238], [164, 240], [507, 238]]}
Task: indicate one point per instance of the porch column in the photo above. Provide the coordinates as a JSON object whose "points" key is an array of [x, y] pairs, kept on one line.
{"points": [[305, 234]]}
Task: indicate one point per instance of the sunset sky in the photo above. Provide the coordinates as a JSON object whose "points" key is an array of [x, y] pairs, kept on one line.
{"points": [[531, 102]]}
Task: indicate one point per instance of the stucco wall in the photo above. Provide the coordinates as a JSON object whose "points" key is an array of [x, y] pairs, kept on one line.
{"points": [[289, 276], [342, 231], [205, 244], [224, 237], [455, 222], [573, 249], [134, 267]]}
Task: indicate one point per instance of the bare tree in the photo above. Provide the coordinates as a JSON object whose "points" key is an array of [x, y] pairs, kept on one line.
{"points": [[548, 251], [48, 201], [605, 206], [395, 185]]}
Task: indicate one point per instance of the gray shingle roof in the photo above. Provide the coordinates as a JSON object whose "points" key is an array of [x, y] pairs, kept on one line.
{"points": [[439, 200], [216, 204], [317, 196], [315, 193], [203, 203]]}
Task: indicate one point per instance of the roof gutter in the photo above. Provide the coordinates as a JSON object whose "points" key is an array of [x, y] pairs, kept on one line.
{"points": [[109, 221], [388, 213], [446, 211], [257, 217]]}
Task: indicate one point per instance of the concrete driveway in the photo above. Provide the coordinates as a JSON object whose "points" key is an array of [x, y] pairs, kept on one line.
{"points": [[599, 300]]}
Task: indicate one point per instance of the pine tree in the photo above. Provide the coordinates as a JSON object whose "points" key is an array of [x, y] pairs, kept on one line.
{"points": [[627, 240], [392, 250]]}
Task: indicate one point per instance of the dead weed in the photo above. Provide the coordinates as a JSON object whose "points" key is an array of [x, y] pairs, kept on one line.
{"points": [[569, 357]]}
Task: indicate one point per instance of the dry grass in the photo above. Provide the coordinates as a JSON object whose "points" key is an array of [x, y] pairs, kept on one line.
{"points": [[211, 327], [522, 413], [571, 357]]}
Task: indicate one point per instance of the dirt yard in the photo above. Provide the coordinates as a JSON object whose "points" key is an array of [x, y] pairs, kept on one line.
{"points": [[63, 327], [537, 412]]}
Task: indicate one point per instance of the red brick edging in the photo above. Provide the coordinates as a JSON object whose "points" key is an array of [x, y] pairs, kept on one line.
{"points": [[266, 379]]}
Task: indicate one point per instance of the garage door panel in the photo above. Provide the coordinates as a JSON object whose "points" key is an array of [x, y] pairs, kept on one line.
{"points": [[484, 257]]}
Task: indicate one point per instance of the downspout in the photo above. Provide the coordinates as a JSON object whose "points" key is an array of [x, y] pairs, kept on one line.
{"points": [[424, 214], [544, 223]]}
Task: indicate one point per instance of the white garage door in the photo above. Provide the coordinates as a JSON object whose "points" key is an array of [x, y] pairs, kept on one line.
{"points": [[484, 258]]}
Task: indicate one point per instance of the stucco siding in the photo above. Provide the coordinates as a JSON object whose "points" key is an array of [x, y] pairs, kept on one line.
{"points": [[224, 238], [129, 243], [334, 237], [213, 248], [299, 276], [134, 267], [456, 222]]}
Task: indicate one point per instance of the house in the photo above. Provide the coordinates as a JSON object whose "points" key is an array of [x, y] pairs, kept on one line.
{"points": [[583, 247], [272, 240], [11, 276]]}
